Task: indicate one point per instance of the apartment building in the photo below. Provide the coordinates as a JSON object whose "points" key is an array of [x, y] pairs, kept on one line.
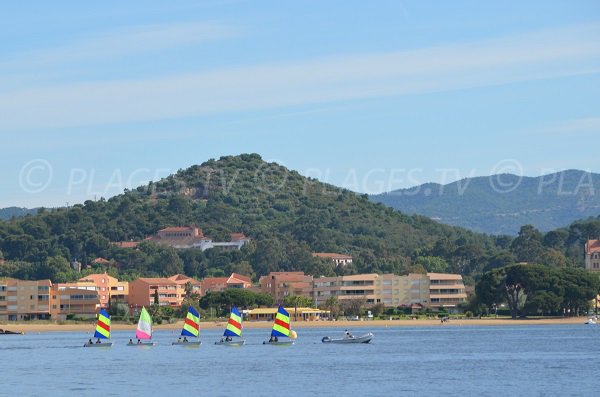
{"points": [[281, 284], [108, 287], [22, 300], [446, 290]]}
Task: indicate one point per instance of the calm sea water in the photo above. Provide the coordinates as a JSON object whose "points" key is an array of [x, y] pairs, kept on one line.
{"points": [[553, 360]]}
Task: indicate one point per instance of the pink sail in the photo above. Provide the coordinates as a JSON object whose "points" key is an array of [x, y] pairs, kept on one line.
{"points": [[144, 328]]}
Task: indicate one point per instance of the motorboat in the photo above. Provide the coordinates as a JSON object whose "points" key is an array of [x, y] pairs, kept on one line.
{"points": [[366, 338], [590, 321]]}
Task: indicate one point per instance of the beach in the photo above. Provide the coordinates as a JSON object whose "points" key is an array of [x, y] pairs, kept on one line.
{"points": [[87, 327]]}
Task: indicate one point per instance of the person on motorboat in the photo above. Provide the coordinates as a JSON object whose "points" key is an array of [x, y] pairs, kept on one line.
{"points": [[348, 335]]}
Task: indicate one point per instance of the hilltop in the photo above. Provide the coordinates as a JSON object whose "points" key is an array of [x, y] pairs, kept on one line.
{"points": [[501, 204], [13, 212], [286, 216]]}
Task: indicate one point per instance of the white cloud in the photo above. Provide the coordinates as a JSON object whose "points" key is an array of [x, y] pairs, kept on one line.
{"points": [[117, 43], [574, 127], [538, 55]]}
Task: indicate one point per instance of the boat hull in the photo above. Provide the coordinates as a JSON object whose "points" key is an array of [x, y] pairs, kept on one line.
{"points": [[104, 344], [186, 343], [233, 343], [359, 339], [142, 344], [279, 343]]}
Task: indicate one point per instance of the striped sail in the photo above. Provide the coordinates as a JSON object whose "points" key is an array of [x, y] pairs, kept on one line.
{"points": [[103, 325], [191, 327], [281, 326], [144, 328], [234, 326]]}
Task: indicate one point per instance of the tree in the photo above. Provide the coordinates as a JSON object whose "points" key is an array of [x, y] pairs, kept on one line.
{"points": [[353, 307], [527, 247], [433, 264], [156, 301], [297, 301], [332, 305]]}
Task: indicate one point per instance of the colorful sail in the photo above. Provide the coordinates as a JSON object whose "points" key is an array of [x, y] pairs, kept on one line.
{"points": [[234, 326], [103, 325], [191, 327], [281, 326], [144, 328]]}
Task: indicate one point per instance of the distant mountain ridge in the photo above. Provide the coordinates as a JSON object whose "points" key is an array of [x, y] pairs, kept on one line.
{"points": [[10, 212], [501, 204]]}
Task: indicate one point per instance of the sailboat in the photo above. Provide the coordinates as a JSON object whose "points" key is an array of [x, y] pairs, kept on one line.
{"points": [[281, 329], [191, 328], [234, 329], [102, 331], [144, 330]]}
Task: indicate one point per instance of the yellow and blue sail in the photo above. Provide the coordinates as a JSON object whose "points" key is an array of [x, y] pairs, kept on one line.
{"points": [[103, 325], [191, 326], [234, 326], [281, 326]]}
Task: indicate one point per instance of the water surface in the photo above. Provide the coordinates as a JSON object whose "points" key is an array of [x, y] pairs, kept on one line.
{"points": [[540, 360]]}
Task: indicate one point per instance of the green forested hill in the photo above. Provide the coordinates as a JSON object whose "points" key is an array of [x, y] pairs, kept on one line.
{"points": [[287, 216], [10, 212], [501, 204]]}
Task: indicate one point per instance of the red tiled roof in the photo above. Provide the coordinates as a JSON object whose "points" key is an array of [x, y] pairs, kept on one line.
{"points": [[100, 260], [157, 280], [177, 229], [183, 279], [238, 278], [238, 236], [592, 246]]}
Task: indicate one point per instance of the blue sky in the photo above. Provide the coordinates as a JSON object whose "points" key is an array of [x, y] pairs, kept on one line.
{"points": [[372, 96]]}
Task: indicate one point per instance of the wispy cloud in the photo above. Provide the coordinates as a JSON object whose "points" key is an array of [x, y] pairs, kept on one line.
{"points": [[132, 40], [537, 55], [574, 127]]}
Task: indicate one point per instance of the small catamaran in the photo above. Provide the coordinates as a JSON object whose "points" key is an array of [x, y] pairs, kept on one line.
{"points": [[281, 328], [102, 331], [191, 328], [144, 330], [234, 329]]}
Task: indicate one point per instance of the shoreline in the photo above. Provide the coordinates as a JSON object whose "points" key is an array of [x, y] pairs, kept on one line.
{"points": [[87, 327]]}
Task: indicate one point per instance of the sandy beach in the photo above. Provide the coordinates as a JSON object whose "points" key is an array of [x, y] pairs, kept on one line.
{"points": [[88, 327]]}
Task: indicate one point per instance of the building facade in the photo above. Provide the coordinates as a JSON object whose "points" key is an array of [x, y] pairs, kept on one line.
{"points": [[187, 237], [108, 287], [446, 290], [282, 284], [592, 255], [219, 284], [23, 300]]}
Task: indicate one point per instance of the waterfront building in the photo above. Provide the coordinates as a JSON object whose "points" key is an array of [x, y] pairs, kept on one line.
{"points": [[296, 314], [22, 300], [592, 255], [282, 284], [446, 290], [143, 290], [219, 284], [74, 300], [108, 287]]}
